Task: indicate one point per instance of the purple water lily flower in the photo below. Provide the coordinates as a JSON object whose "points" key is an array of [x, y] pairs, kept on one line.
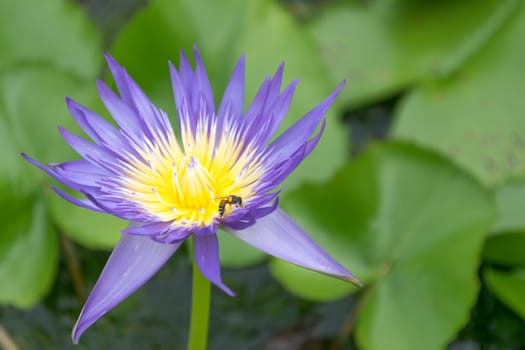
{"points": [[223, 171]]}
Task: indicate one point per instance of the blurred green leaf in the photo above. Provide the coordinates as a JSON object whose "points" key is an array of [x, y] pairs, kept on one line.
{"points": [[506, 244], [56, 31], [28, 251], [261, 29], [89, 228], [14, 177], [506, 248], [383, 46], [32, 106], [411, 226], [509, 287], [510, 200], [476, 117], [235, 253]]}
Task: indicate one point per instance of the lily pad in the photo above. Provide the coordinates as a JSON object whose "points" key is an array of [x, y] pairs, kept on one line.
{"points": [[505, 248], [32, 106], [28, 251], [223, 31], [54, 31], [476, 117], [235, 253], [509, 287], [383, 46], [510, 200], [411, 226], [91, 229], [506, 244]]}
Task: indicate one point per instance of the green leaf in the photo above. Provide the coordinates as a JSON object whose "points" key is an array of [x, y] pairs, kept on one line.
{"points": [[509, 287], [56, 31], [13, 172], [383, 46], [510, 200], [28, 251], [32, 106], [262, 30], [235, 253], [506, 248], [411, 226], [86, 227], [506, 244], [476, 117]]}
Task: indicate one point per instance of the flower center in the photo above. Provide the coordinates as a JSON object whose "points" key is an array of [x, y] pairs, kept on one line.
{"points": [[192, 187]]}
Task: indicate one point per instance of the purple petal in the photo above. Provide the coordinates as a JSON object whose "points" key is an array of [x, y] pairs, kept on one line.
{"points": [[233, 98], [206, 255], [150, 118], [278, 235], [283, 169], [257, 105], [163, 232], [83, 203], [93, 153], [134, 261], [146, 229], [264, 99], [80, 172], [203, 87], [179, 91], [298, 134], [125, 116], [275, 89], [96, 127], [119, 75], [182, 99], [51, 172], [186, 73], [281, 106]]}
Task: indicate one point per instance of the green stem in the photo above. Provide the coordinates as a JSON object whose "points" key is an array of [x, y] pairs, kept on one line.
{"points": [[200, 311]]}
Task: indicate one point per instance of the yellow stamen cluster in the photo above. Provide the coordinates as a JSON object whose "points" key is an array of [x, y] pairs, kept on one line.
{"points": [[186, 186]]}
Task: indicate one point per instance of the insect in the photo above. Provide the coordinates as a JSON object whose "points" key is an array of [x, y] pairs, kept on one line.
{"points": [[231, 200]]}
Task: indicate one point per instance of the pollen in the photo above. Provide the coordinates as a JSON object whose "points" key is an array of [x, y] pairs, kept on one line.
{"points": [[187, 185]]}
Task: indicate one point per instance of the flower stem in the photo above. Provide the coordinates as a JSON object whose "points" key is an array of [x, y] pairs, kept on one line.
{"points": [[200, 311]]}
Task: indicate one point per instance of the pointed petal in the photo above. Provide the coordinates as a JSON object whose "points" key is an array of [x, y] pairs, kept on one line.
{"points": [[125, 116], [233, 98], [119, 75], [83, 203], [278, 235], [298, 134], [186, 73], [97, 154], [207, 259], [51, 172], [203, 87], [96, 127], [134, 261], [162, 232], [281, 106], [256, 106], [80, 172], [274, 89], [282, 169], [181, 92]]}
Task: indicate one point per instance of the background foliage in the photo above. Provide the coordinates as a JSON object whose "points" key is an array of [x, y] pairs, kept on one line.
{"points": [[424, 203]]}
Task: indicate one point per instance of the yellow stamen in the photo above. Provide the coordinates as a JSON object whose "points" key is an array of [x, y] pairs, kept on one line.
{"points": [[186, 187]]}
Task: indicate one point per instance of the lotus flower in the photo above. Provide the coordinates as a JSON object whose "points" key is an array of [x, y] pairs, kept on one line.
{"points": [[223, 171]]}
